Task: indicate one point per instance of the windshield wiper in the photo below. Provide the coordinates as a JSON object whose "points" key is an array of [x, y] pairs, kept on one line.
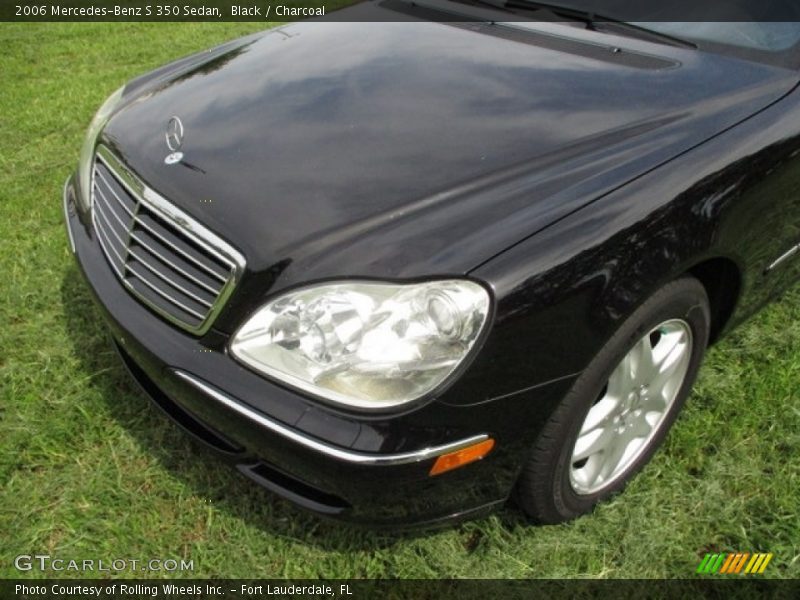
{"points": [[596, 22], [592, 20]]}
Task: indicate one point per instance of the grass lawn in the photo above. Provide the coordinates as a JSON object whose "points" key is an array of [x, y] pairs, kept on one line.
{"points": [[88, 469]]}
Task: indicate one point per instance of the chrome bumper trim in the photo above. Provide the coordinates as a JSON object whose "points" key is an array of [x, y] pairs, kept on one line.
{"points": [[784, 257], [313, 444]]}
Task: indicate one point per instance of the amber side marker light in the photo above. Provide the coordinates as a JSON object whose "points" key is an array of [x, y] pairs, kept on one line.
{"points": [[459, 458]]}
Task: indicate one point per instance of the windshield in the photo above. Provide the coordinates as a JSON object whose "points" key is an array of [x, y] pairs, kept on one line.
{"points": [[751, 29], [767, 30], [766, 37]]}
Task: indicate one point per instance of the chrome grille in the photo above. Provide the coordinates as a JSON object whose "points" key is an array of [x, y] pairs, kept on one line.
{"points": [[166, 259]]}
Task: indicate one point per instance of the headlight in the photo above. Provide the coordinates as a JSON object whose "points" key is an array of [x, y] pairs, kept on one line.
{"points": [[86, 162], [369, 345]]}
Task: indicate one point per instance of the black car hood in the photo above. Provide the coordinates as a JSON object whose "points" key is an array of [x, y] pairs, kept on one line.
{"points": [[409, 149]]}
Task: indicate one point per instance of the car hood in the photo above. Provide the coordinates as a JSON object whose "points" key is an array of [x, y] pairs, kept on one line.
{"points": [[406, 149]]}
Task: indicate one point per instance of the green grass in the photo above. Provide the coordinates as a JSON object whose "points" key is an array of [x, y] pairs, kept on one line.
{"points": [[89, 470]]}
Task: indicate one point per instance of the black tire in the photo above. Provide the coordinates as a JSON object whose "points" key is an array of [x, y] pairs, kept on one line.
{"points": [[544, 490]]}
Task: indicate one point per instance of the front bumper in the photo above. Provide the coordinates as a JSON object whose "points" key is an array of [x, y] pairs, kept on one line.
{"points": [[372, 470]]}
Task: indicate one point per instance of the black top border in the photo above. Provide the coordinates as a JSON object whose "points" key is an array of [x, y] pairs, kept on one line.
{"points": [[455, 10]]}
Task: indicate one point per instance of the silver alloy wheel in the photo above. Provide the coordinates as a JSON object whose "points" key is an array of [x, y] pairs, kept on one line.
{"points": [[623, 420]]}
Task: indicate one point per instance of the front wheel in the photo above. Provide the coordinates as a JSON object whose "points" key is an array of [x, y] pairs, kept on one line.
{"points": [[620, 408]]}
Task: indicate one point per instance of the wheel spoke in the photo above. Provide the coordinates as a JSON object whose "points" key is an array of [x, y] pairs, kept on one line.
{"points": [[643, 361], [613, 456], [587, 475], [670, 348], [641, 427], [592, 443], [667, 379], [598, 414], [654, 402], [621, 379]]}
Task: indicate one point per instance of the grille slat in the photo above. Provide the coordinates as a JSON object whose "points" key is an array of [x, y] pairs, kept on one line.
{"points": [[162, 256], [139, 255], [125, 226], [102, 178], [105, 242], [163, 277], [145, 242], [158, 290], [122, 244], [174, 246], [158, 303]]}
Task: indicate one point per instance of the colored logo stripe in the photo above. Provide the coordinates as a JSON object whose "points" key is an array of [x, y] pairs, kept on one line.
{"points": [[734, 563], [711, 563], [758, 563]]}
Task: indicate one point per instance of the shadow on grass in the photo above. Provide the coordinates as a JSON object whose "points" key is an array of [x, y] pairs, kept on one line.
{"points": [[191, 461]]}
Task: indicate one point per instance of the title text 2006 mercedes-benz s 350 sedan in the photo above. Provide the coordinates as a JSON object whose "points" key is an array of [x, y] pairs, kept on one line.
{"points": [[401, 272]]}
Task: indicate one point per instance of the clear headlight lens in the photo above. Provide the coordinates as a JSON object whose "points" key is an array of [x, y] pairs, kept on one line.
{"points": [[86, 161], [369, 345]]}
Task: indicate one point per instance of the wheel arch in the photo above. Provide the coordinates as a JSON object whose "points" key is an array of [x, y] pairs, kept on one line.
{"points": [[722, 280]]}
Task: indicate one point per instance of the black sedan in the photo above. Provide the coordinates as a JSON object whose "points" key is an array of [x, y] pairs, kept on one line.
{"points": [[401, 272]]}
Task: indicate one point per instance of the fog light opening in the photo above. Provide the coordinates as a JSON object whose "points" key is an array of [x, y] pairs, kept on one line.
{"points": [[459, 458]]}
